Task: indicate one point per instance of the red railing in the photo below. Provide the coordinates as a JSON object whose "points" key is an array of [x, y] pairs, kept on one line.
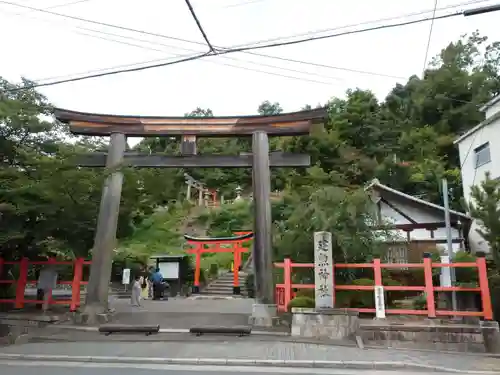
{"points": [[23, 281], [285, 291]]}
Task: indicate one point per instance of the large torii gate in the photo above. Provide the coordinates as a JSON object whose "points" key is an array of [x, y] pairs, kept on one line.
{"points": [[119, 127]]}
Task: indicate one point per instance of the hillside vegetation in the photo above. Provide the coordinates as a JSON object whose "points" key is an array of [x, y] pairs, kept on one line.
{"points": [[49, 207]]}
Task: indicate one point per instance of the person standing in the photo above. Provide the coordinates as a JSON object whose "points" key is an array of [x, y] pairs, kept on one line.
{"points": [[135, 297], [144, 287], [157, 279], [151, 272]]}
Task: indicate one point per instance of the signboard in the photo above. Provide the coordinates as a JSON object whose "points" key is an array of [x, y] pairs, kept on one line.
{"points": [[323, 270], [126, 276], [445, 276], [169, 270], [379, 302]]}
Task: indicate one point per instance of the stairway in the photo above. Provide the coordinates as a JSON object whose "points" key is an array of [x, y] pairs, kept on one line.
{"points": [[223, 286]]}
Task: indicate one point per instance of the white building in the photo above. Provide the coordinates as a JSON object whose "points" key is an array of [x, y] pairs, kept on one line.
{"points": [[479, 150], [419, 225]]}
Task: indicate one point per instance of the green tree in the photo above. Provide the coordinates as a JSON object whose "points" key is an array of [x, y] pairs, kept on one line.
{"points": [[485, 207]]}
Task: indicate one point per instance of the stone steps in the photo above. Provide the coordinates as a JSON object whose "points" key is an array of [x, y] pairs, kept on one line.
{"points": [[223, 286]]}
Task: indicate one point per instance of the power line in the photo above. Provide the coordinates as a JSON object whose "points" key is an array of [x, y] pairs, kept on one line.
{"points": [[192, 50], [326, 66], [364, 23], [198, 23], [124, 28], [271, 45], [242, 4], [329, 36], [199, 43], [186, 59], [226, 64], [177, 55], [56, 6], [430, 36]]}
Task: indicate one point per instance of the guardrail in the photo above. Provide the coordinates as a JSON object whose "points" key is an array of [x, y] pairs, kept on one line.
{"points": [[20, 300], [285, 292]]}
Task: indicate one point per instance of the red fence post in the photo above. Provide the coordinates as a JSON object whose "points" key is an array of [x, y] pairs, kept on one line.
{"points": [[236, 267], [377, 272], [75, 285], [196, 287], [429, 287], [21, 283], [483, 285], [287, 280]]}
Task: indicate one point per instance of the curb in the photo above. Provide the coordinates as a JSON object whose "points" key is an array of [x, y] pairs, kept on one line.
{"points": [[170, 330], [353, 365]]}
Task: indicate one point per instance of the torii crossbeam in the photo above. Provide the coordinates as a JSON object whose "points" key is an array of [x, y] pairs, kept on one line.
{"points": [[119, 127]]}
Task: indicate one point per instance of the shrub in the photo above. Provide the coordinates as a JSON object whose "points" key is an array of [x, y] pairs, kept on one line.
{"points": [[420, 302], [301, 302], [309, 293], [365, 298]]}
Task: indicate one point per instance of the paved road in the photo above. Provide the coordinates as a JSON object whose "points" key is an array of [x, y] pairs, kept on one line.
{"points": [[232, 348], [64, 368]]}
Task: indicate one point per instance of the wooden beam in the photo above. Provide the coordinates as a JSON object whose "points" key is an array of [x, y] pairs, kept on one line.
{"points": [[194, 161], [296, 123]]}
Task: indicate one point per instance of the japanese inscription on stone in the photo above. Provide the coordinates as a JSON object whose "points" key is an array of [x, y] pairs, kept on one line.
{"points": [[323, 270]]}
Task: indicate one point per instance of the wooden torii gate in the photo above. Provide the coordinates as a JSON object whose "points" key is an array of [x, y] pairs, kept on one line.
{"points": [[189, 128], [204, 194]]}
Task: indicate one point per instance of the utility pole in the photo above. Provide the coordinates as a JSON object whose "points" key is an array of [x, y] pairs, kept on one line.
{"points": [[449, 242]]}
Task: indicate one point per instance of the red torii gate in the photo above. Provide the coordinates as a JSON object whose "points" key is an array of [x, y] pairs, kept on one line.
{"points": [[213, 245]]}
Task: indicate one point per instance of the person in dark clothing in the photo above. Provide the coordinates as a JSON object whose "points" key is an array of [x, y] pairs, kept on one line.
{"points": [[157, 280]]}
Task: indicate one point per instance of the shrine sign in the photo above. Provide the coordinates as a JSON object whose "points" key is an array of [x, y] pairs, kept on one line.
{"points": [[323, 270]]}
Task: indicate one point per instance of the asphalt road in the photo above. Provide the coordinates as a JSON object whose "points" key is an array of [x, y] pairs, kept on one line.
{"points": [[65, 368]]}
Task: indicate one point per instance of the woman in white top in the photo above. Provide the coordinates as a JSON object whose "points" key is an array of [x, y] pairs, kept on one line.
{"points": [[135, 298]]}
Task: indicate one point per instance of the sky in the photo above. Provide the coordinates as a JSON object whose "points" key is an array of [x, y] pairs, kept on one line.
{"points": [[40, 46]]}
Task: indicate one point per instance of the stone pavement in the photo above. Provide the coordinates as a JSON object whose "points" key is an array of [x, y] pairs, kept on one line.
{"points": [[252, 349], [184, 313]]}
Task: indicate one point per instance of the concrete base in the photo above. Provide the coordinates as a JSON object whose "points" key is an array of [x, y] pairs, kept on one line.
{"points": [[264, 315], [93, 315], [448, 337], [331, 324], [491, 336]]}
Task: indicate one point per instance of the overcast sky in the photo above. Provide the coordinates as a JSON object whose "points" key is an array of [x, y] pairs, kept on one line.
{"points": [[38, 46]]}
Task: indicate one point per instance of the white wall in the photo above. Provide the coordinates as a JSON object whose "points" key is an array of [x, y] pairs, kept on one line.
{"points": [[420, 216], [472, 175]]}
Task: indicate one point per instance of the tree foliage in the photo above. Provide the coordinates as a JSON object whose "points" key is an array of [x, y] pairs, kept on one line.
{"points": [[404, 140], [485, 207]]}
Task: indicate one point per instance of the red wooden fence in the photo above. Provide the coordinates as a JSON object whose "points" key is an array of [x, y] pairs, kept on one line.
{"points": [[285, 291], [22, 281]]}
